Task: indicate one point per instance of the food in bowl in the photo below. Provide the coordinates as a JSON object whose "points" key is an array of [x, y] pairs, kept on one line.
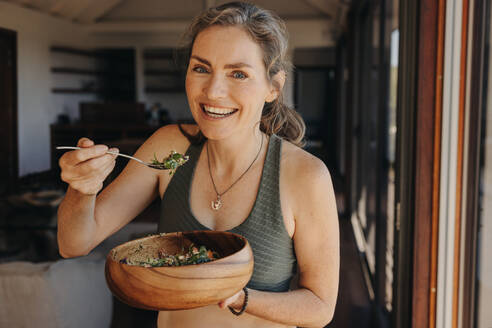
{"points": [[179, 287], [194, 255]]}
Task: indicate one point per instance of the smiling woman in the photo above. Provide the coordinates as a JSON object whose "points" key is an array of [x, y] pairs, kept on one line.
{"points": [[246, 174], [221, 90], [263, 34]]}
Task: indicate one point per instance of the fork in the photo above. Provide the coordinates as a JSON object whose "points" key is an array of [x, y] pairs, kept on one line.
{"points": [[152, 165]]}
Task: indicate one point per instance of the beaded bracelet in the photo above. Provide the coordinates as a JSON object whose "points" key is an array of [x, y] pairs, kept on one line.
{"points": [[244, 304]]}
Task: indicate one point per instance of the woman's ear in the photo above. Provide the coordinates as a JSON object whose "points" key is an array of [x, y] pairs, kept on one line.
{"points": [[277, 84]]}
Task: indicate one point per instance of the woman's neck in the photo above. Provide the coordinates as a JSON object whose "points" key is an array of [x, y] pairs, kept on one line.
{"points": [[235, 154]]}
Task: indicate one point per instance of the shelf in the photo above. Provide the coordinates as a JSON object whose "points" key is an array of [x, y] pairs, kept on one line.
{"points": [[111, 71], [106, 54], [73, 51], [165, 53], [95, 91], [81, 71], [69, 90], [163, 72], [164, 90], [159, 56]]}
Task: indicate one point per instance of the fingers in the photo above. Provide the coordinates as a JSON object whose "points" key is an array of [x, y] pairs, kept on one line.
{"points": [[85, 154], [108, 169], [88, 177], [78, 156], [115, 151], [98, 164], [230, 301], [86, 169], [92, 168], [85, 142]]}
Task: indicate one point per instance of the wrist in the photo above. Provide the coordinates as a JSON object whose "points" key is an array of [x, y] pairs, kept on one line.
{"points": [[76, 193], [239, 309], [238, 303]]}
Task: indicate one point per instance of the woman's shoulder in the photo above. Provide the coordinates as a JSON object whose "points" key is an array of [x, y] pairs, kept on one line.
{"points": [[302, 173], [176, 130], [300, 164], [170, 137], [306, 184]]}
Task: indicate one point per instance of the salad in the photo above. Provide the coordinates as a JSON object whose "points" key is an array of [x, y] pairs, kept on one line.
{"points": [[194, 255], [171, 163]]}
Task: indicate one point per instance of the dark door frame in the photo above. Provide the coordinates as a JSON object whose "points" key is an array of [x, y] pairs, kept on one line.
{"points": [[419, 103], [12, 115], [478, 107]]}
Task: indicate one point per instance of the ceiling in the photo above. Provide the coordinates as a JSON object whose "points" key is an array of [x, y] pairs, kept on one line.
{"points": [[138, 11]]}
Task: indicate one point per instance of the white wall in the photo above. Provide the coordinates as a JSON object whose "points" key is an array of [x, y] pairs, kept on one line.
{"points": [[38, 107]]}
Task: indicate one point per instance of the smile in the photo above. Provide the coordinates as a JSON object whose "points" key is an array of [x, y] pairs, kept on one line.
{"points": [[217, 112]]}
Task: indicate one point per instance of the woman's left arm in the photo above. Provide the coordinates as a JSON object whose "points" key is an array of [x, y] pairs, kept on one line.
{"points": [[316, 241]]}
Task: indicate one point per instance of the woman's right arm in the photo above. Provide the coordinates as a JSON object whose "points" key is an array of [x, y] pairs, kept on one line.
{"points": [[85, 220], [85, 171]]}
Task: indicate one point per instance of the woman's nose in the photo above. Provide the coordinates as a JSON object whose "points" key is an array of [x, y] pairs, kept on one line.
{"points": [[215, 88]]}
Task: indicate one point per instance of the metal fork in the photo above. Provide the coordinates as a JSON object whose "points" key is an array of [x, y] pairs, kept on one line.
{"points": [[152, 165]]}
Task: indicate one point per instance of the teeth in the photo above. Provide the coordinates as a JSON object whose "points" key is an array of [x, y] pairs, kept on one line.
{"points": [[218, 110], [215, 115]]}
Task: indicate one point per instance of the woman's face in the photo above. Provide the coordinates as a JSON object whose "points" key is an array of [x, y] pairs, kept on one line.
{"points": [[226, 82]]}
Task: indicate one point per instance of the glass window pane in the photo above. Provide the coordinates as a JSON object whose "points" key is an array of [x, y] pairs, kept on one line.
{"points": [[484, 241], [391, 153]]}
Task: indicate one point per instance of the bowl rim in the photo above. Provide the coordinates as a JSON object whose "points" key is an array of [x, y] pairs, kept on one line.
{"points": [[109, 257]]}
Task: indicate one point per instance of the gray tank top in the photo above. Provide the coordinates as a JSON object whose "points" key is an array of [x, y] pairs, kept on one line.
{"points": [[273, 249]]}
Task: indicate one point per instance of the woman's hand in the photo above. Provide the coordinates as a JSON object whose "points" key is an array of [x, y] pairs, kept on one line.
{"points": [[235, 301], [86, 169]]}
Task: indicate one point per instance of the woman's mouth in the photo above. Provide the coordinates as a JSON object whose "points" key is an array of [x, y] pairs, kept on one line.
{"points": [[217, 112]]}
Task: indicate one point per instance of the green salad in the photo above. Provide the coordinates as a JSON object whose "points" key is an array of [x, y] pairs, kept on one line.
{"points": [[194, 255], [171, 163]]}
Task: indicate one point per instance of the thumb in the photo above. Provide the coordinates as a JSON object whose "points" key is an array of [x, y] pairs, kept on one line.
{"points": [[85, 142]]}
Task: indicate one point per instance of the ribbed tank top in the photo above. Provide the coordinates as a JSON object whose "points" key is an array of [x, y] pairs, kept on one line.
{"points": [[273, 249]]}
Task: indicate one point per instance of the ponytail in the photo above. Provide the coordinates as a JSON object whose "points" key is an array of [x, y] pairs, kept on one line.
{"points": [[277, 118]]}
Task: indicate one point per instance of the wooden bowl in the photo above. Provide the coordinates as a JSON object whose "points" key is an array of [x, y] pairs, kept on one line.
{"points": [[182, 287]]}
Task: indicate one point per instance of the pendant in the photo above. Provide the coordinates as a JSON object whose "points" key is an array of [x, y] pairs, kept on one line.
{"points": [[217, 204]]}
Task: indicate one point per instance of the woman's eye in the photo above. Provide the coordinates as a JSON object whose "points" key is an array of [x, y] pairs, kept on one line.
{"points": [[239, 75], [199, 69]]}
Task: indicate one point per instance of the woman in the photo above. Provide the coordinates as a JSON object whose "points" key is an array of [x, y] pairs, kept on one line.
{"points": [[246, 174]]}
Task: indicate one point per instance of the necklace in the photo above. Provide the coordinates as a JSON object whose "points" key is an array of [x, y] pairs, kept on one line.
{"points": [[217, 203]]}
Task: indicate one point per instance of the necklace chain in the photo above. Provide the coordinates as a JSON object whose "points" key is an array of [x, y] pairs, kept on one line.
{"points": [[217, 204]]}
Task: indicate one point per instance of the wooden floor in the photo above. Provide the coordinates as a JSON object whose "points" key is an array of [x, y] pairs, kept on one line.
{"points": [[353, 305], [353, 308]]}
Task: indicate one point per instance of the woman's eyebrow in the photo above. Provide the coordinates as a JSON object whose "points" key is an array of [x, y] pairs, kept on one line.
{"points": [[235, 65], [206, 62]]}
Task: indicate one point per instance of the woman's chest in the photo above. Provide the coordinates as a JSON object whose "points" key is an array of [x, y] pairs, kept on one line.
{"points": [[198, 191], [224, 202]]}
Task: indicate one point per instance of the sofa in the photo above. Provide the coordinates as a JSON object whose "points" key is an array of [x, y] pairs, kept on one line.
{"points": [[62, 293]]}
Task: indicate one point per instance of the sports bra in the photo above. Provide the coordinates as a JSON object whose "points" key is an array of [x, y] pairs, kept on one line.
{"points": [[273, 250]]}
